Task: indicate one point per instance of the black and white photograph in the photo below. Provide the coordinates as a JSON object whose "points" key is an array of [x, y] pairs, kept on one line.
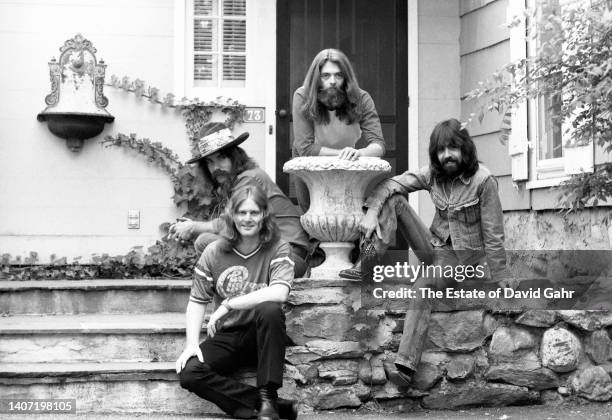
{"points": [[313, 209]]}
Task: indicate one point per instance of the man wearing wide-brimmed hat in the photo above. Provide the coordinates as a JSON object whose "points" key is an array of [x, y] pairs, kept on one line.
{"points": [[229, 168]]}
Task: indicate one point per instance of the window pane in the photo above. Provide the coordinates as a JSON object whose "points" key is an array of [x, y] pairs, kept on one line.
{"points": [[234, 36], [205, 8], [550, 135], [234, 7], [234, 67], [205, 35], [204, 68]]}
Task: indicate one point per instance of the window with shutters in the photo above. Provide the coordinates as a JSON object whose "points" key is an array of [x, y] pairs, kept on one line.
{"points": [[539, 145], [219, 43]]}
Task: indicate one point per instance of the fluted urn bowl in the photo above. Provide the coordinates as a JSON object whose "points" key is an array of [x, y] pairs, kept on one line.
{"points": [[337, 189]]}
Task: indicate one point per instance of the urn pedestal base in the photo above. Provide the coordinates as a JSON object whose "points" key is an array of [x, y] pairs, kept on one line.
{"points": [[337, 258]]}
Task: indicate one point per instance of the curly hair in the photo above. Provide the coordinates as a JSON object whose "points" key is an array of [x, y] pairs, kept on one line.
{"points": [[451, 133], [269, 233], [313, 109]]}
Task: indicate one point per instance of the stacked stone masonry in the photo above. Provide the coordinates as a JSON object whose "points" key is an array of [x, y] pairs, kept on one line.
{"points": [[472, 357]]}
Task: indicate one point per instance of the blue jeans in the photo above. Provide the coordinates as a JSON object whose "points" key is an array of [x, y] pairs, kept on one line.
{"points": [[395, 214]]}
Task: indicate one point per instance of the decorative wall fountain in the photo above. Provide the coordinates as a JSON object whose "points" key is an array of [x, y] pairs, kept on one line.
{"points": [[337, 189], [76, 105]]}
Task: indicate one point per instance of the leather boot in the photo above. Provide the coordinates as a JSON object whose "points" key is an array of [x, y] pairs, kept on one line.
{"points": [[287, 409], [269, 404]]}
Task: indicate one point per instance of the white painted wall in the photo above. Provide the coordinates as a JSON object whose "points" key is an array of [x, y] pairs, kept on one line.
{"points": [[76, 204], [439, 76]]}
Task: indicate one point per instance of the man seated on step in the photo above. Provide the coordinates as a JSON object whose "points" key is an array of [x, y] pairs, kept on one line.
{"points": [[229, 168], [248, 275], [467, 228]]}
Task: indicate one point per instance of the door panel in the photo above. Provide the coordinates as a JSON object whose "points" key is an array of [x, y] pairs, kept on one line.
{"points": [[372, 35]]}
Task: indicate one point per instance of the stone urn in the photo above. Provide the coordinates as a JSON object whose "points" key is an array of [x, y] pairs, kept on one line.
{"points": [[337, 189]]}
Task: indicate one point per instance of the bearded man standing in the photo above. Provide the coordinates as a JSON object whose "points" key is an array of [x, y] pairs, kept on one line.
{"points": [[331, 113]]}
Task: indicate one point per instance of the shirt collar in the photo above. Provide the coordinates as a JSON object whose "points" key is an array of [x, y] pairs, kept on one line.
{"points": [[465, 179]]}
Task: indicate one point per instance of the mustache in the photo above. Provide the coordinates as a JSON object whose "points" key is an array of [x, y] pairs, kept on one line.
{"points": [[450, 159], [219, 173]]}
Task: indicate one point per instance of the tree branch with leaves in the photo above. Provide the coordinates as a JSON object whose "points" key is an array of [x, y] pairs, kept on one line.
{"points": [[573, 67]]}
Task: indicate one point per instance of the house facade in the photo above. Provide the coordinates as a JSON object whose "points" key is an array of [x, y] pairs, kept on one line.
{"points": [[417, 58]]}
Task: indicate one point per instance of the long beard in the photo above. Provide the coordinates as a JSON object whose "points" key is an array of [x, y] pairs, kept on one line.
{"points": [[332, 98], [224, 186]]}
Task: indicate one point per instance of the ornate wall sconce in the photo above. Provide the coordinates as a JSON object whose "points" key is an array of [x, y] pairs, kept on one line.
{"points": [[76, 105]]}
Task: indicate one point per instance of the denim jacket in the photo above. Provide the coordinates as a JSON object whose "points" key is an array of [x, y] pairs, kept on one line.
{"points": [[468, 211]]}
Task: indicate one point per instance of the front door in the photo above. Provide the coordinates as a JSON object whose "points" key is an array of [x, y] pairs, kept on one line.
{"points": [[373, 34]]}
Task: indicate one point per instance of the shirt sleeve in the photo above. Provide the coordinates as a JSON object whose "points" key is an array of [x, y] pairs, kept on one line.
{"points": [[370, 122], [400, 184], [303, 129], [202, 287], [492, 226], [281, 266]]}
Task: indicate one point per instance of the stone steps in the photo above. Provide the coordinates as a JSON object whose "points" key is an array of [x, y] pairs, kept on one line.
{"points": [[103, 387], [93, 296], [92, 338]]}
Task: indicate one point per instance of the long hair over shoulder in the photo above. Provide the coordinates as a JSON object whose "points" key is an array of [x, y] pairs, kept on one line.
{"points": [[312, 109], [269, 233], [450, 133]]}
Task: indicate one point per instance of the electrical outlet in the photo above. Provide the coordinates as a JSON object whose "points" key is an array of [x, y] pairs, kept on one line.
{"points": [[133, 219]]}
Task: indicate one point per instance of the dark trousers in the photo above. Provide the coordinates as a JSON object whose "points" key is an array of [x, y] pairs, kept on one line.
{"points": [[297, 256], [261, 344], [395, 214]]}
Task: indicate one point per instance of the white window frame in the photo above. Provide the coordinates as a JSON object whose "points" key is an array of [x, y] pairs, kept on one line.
{"points": [[525, 139], [260, 54], [218, 52]]}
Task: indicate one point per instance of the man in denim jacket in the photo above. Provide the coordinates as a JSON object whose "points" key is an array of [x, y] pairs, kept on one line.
{"points": [[467, 228]]}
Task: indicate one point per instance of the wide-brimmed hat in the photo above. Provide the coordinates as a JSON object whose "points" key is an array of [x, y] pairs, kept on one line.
{"points": [[213, 137]]}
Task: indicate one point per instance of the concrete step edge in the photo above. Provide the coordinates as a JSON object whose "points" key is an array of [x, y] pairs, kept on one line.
{"points": [[59, 369], [53, 373], [101, 284], [168, 322]]}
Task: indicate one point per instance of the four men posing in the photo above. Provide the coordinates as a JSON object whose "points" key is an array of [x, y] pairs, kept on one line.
{"points": [[247, 266]]}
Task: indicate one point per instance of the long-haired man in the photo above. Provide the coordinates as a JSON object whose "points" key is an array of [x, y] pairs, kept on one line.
{"points": [[467, 228], [229, 168], [247, 274], [331, 113]]}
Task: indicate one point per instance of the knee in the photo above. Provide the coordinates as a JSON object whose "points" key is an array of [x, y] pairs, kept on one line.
{"points": [[269, 312], [187, 378], [398, 200], [192, 373]]}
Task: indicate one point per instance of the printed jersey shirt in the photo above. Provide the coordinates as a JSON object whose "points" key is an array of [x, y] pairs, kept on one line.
{"points": [[220, 274]]}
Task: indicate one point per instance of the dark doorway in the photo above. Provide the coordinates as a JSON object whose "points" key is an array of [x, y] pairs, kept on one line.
{"points": [[373, 34]]}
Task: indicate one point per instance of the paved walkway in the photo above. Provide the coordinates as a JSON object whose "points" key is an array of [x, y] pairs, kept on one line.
{"points": [[536, 412]]}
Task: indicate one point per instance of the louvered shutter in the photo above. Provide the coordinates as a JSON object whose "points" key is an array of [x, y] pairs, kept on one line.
{"points": [[219, 42], [234, 40], [518, 139]]}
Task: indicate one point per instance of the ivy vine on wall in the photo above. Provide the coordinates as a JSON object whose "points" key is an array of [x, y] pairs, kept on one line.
{"points": [[192, 195]]}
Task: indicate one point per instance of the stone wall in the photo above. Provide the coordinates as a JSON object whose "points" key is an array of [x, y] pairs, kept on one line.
{"points": [[472, 357], [551, 229]]}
